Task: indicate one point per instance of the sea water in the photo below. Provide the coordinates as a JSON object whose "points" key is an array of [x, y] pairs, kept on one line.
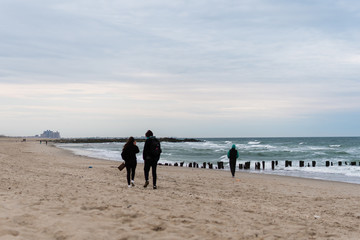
{"points": [[212, 150]]}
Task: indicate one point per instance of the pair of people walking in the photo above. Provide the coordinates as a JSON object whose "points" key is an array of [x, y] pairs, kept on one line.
{"points": [[151, 156]]}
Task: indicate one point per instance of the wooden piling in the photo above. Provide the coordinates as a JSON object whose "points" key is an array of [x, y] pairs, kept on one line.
{"points": [[314, 163], [273, 165], [340, 163], [241, 166], [327, 163], [263, 165], [301, 163]]}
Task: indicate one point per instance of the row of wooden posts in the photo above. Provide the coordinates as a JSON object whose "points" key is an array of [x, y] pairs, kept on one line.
{"points": [[258, 165]]}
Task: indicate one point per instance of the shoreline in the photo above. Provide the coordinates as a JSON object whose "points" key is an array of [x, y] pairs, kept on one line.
{"points": [[294, 172], [255, 172], [50, 193]]}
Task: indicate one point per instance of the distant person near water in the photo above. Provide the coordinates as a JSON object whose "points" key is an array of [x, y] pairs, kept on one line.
{"points": [[233, 154], [151, 156], [129, 155]]}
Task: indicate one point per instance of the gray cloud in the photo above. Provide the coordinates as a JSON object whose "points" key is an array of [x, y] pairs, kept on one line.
{"points": [[202, 38]]}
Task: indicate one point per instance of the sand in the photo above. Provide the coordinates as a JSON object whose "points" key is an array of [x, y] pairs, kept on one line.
{"points": [[49, 193]]}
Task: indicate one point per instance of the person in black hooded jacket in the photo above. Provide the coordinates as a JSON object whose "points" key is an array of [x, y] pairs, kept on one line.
{"points": [[129, 155], [233, 154], [151, 160]]}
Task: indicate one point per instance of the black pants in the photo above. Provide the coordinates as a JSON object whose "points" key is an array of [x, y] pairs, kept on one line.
{"points": [[130, 170], [232, 167], [150, 164]]}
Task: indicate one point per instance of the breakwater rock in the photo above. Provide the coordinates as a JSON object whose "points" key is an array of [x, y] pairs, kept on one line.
{"points": [[106, 140]]}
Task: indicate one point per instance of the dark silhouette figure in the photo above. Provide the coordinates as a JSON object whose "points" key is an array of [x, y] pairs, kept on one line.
{"points": [[233, 154], [129, 155], [151, 156]]}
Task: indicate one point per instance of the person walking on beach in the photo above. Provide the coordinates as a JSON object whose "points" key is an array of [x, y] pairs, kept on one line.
{"points": [[151, 156], [129, 155], [233, 154]]}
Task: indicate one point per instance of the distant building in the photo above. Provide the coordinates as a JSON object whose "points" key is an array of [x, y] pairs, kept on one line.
{"points": [[50, 134]]}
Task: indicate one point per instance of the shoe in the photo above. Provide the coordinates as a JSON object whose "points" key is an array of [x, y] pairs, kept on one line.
{"points": [[146, 184], [133, 183], [154, 187], [129, 186]]}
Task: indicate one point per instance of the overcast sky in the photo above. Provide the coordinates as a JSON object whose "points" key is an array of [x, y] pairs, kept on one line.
{"points": [[229, 68]]}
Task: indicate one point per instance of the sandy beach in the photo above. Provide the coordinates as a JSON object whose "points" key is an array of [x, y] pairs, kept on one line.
{"points": [[49, 193]]}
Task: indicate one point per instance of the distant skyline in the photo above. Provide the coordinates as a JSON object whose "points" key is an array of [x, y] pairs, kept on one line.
{"points": [[180, 68]]}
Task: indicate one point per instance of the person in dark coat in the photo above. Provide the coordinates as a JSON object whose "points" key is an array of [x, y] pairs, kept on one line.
{"points": [[129, 155], [233, 154], [150, 158]]}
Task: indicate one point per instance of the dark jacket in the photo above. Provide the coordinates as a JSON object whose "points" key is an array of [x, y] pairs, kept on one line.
{"points": [[233, 154], [147, 155], [129, 154]]}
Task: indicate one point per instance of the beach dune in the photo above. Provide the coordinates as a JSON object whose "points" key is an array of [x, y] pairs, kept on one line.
{"points": [[49, 193]]}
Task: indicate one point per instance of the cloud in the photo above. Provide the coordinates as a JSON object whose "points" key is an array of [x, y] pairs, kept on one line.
{"points": [[82, 41], [272, 100]]}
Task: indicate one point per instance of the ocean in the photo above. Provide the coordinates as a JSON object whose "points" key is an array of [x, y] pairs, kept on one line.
{"points": [[341, 152]]}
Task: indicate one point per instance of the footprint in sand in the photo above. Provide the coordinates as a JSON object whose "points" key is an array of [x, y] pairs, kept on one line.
{"points": [[158, 228], [24, 220], [9, 232]]}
